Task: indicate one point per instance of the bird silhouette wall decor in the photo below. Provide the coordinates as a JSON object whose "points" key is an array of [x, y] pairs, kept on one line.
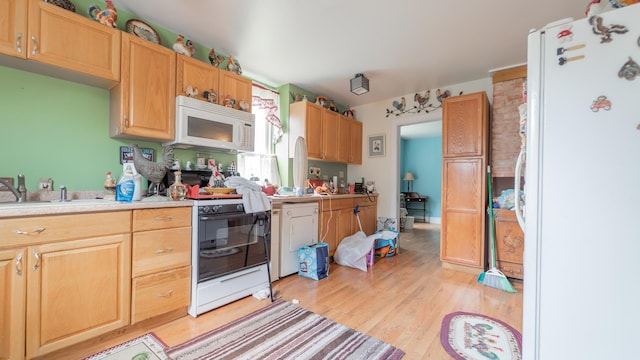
{"points": [[422, 103]]}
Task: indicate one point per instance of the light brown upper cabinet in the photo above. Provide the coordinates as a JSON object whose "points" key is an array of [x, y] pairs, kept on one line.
{"points": [[465, 122], [237, 87], [329, 135], [305, 119], [197, 74], [71, 46], [355, 155], [143, 103], [465, 125]]}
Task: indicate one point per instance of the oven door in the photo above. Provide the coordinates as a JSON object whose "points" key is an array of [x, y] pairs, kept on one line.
{"points": [[231, 242]]}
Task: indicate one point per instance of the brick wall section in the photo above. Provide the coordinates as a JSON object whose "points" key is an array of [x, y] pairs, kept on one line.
{"points": [[505, 127]]}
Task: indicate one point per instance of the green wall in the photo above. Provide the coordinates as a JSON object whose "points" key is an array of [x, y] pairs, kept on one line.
{"points": [[58, 129]]}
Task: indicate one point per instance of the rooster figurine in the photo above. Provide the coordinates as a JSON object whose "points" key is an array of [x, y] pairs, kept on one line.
{"points": [[153, 171], [441, 95], [180, 47], [234, 66], [422, 100], [189, 44], [399, 105], [108, 16], [215, 60], [192, 91]]}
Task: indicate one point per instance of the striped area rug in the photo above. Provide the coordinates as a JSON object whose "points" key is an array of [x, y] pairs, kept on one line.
{"points": [[282, 330]]}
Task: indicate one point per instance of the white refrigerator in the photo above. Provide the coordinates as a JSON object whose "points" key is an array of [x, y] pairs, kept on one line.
{"points": [[582, 185]]}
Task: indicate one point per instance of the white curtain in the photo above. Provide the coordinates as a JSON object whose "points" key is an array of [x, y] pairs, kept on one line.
{"points": [[264, 167], [262, 162]]}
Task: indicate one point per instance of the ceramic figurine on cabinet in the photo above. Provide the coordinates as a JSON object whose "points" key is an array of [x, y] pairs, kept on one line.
{"points": [[321, 100], [244, 106], [234, 66], [192, 91], [349, 113], [214, 59], [189, 44], [108, 16], [332, 106], [180, 47], [210, 96], [229, 102]]}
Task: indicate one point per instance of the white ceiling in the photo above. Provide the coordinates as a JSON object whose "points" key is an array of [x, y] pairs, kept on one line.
{"points": [[402, 46]]}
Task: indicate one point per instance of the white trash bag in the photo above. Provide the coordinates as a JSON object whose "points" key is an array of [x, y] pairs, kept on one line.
{"points": [[352, 250]]}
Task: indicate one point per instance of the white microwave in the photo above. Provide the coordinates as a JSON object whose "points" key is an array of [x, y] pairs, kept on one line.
{"points": [[207, 126]]}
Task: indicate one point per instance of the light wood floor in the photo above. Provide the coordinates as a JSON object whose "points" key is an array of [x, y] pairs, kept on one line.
{"points": [[400, 300]]}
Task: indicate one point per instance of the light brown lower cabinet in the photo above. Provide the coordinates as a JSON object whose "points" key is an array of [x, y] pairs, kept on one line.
{"points": [[68, 278], [13, 284], [462, 233], [338, 221], [161, 274]]}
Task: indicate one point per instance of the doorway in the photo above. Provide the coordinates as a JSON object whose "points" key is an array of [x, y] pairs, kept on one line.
{"points": [[420, 154]]}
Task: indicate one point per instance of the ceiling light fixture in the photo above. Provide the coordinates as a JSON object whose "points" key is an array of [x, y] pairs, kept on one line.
{"points": [[359, 85]]}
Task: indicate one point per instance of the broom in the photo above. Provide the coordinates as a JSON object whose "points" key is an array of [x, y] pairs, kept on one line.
{"points": [[493, 277]]}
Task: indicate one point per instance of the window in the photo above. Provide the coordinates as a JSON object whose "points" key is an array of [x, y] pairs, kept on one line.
{"points": [[262, 162]]}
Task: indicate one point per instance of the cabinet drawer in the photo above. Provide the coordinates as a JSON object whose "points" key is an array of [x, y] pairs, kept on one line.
{"points": [[158, 250], [160, 293], [164, 218], [335, 204], [44, 229], [512, 270]]}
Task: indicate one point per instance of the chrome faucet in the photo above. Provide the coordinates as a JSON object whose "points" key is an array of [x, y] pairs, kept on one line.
{"points": [[21, 192]]}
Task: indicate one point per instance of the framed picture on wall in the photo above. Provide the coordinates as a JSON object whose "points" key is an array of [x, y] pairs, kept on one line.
{"points": [[376, 145]]}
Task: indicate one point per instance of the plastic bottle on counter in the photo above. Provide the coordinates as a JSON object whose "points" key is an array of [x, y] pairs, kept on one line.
{"points": [[126, 185]]}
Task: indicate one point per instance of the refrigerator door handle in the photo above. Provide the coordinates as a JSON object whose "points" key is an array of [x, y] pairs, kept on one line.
{"points": [[518, 170]]}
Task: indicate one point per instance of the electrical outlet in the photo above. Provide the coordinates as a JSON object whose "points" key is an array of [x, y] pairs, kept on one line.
{"points": [[314, 172]]}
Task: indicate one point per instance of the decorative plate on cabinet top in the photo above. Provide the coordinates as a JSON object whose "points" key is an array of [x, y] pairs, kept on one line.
{"points": [[142, 30], [65, 4]]}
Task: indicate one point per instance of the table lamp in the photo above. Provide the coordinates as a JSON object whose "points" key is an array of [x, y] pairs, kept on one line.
{"points": [[409, 178]]}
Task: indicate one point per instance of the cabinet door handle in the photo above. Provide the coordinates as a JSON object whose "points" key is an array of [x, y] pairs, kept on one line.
{"points": [[37, 256], [19, 265], [160, 251], [35, 45], [19, 43], [125, 124], [160, 218], [34, 232], [168, 294]]}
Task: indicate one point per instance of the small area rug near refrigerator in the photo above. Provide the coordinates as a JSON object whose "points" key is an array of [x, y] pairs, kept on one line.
{"points": [[473, 336]]}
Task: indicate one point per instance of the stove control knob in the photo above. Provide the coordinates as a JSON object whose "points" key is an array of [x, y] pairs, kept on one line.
{"points": [[216, 208], [239, 207], [205, 209]]}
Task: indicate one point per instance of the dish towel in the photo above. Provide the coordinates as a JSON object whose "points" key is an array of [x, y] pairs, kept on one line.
{"points": [[253, 199]]}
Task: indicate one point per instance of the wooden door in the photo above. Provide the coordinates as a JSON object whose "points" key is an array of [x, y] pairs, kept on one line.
{"points": [[465, 125], [13, 280], [143, 103], [13, 28], [197, 74], [330, 125], [355, 156], [328, 230], [69, 41], [77, 290], [305, 119]]}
